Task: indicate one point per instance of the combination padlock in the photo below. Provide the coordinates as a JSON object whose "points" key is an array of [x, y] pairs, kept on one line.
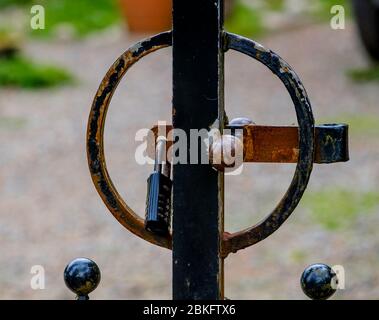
{"points": [[159, 185]]}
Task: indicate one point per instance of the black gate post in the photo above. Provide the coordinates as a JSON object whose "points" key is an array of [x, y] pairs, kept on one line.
{"points": [[198, 190]]}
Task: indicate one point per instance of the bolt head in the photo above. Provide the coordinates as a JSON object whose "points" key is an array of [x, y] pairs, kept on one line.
{"points": [[240, 122], [226, 152], [318, 281], [82, 276]]}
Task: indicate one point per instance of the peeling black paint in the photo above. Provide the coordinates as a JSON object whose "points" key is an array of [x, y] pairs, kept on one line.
{"points": [[250, 236], [95, 139]]}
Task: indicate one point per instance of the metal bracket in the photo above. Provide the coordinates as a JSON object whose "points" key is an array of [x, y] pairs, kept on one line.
{"points": [[280, 144]]}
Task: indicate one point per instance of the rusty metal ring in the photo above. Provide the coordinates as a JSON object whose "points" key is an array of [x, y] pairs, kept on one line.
{"points": [[231, 242], [95, 139], [245, 238]]}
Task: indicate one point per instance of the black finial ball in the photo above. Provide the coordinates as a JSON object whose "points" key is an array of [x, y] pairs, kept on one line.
{"points": [[82, 276], [319, 281]]}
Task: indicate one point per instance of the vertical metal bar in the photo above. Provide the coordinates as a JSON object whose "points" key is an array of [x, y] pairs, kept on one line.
{"points": [[198, 204]]}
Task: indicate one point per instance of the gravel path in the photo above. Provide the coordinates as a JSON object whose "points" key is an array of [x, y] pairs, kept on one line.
{"points": [[50, 212]]}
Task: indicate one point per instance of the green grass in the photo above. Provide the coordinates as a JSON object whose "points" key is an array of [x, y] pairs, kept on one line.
{"points": [[324, 6], [275, 5], [370, 74], [359, 124], [22, 73], [12, 123], [245, 21], [367, 125], [298, 256], [84, 16], [7, 3], [339, 208]]}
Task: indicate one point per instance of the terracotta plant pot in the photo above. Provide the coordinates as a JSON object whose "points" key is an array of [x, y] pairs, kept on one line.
{"points": [[229, 6], [147, 15]]}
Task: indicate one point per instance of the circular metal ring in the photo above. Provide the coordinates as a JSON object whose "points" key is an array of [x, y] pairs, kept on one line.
{"points": [[242, 239], [231, 242], [95, 139]]}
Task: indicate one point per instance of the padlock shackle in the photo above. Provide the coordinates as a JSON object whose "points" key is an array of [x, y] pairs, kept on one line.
{"points": [[162, 164], [95, 139]]}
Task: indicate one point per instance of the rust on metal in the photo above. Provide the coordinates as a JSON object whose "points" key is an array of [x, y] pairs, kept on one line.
{"points": [[305, 142], [279, 144], [95, 139], [303, 145]]}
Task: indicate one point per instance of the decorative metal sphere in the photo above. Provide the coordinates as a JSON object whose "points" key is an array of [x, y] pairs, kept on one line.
{"points": [[319, 281], [226, 152], [82, 276]]}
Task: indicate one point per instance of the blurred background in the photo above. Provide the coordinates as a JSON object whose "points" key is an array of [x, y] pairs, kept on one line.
{"points": [[50, 211]]}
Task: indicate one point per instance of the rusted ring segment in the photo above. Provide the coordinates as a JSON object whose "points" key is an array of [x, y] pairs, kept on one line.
{"points": [[95, 139], [245, 238], [231, 242]]}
